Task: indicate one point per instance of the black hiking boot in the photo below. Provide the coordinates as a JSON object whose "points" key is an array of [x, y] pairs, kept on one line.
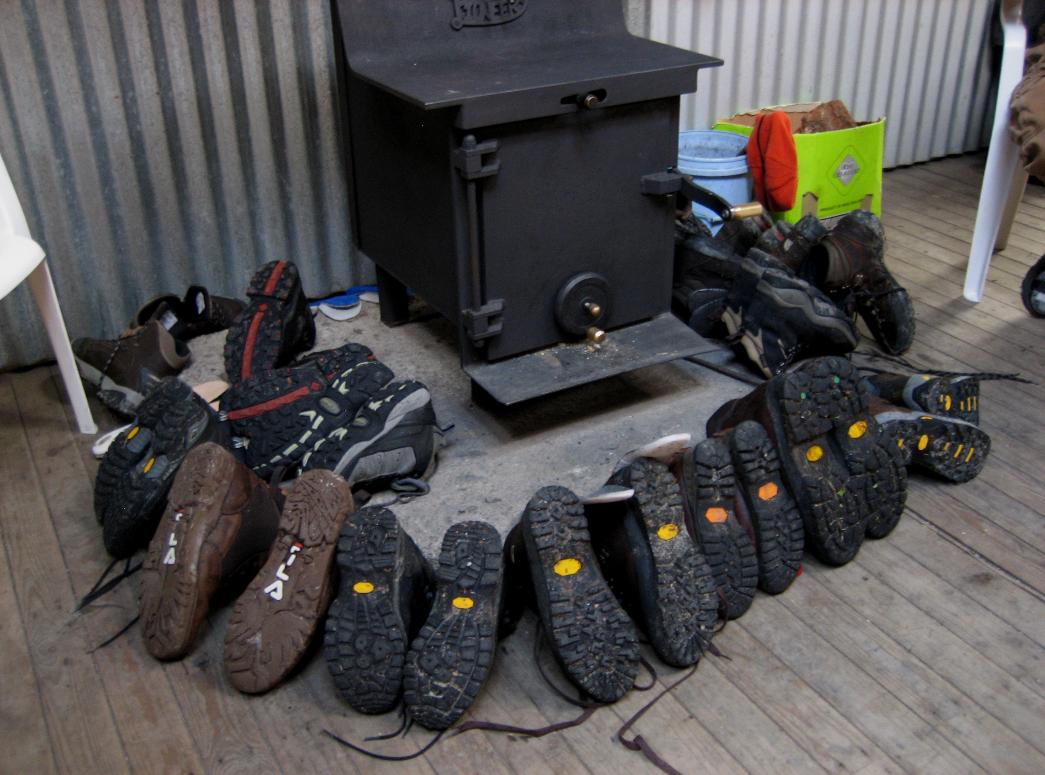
{"points": [[710, 491], [197, 314], [451, 657], [956, 396], [277, 416], [217, 528], [130, 504], [849, 265], [393, 436], [791, 244], [385, 595], [764, 500], [276, 324], [653, 566], [778, 317], [846, 475], [593, 640], [946, 447]]}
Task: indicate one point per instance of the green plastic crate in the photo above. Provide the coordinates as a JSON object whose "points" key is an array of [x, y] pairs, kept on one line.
{"points": [[838, 171]]}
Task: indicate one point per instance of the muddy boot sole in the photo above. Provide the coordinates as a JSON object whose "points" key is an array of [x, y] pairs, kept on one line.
{"points": [[182, 569], [945, 447], [779, 536], [275, 325], [677, 598], [957, 397], [274, 620], [593, 639], [451, 658], [846, 476], [366, 632], [723, 540]]}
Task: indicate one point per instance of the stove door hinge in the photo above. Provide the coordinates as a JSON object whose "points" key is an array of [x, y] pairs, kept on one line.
{"points": [[468, 159], [483, 322]]}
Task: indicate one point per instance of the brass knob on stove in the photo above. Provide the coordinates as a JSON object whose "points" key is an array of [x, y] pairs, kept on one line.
{"points": [[596, 335], [592, 309]]}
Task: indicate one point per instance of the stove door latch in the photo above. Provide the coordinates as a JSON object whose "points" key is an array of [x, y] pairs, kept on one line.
{"points": [[483, 322], [674, 182], [468, 158]]}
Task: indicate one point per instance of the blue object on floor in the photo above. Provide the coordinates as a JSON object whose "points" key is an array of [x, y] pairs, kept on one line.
{"points": [[718, 162], [346, 298]]}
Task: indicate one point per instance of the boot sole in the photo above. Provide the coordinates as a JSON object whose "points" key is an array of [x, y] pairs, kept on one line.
{"points": [[723, 540], [366, 640], [957, 397], [274, 620], [128, 448], [182, 569], [774, 514], [296, 419], [451, 657], [254, 341], [138, 497], [681, 609], [846, 477], [593, 639], [950, 449]]}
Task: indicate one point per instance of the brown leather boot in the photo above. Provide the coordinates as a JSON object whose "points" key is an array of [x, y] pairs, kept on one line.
{"points": [[219, 523], [845, 476], [849, 265]]}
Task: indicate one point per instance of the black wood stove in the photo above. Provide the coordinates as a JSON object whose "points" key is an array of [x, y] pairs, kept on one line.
{"points": [[510, 162]]}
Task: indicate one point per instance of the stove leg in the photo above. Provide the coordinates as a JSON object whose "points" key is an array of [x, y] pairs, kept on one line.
{"points": [[395, 303]]}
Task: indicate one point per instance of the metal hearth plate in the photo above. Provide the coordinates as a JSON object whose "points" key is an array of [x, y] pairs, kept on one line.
{"points": [[664, 338]]}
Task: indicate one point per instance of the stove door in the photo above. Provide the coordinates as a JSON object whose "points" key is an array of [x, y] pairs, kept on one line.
{"points": [[567, 205]]}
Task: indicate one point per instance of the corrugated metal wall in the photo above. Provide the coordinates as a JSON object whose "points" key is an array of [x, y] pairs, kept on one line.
{"points": [[157, 144], [924, 64]]}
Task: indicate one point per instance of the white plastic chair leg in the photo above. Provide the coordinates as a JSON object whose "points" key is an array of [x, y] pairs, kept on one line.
{"points": [[1002, 159], [42, 287]]}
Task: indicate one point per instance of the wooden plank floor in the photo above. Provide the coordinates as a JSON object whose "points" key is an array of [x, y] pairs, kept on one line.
{"points": [[923, 655]]}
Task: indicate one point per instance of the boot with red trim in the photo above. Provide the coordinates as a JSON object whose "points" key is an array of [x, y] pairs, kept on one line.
{"points": [[276, 325]]}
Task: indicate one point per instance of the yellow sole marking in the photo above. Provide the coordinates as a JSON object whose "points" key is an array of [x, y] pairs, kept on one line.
{"points": [[464, 603], [149, 465], [858, 429], [768, 491], [667, 531], [947, 401], [923, 442], [567, 567], [363, 587], [716, 514], [926, 417], [969, 456], [899, 443], [959, 450], [814, 453], [132, 432]]}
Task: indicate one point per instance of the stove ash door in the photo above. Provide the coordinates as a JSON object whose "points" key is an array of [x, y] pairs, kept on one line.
{"points": [[565, 224]]}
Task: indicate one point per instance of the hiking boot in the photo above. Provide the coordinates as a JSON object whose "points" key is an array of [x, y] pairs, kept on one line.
{"points": [[763, 500], [955, 396], [1032, 289], [451, 657], [197, 314], [778, 317], [277, 416], [741, 234], [789, 243], [593, 640], [274, 620], [132, 502], [384, 596], [393, 436], [849, 265], [125, 370], [218, 526], [947, 447], [709, 483], [846, 475], [702, 308], [130, 445], [276, 324], [653, 566]]}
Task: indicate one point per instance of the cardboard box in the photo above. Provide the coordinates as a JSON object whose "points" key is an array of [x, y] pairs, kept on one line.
{"points": [[838, 170]]}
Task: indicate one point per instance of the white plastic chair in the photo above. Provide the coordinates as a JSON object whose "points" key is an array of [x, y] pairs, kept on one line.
{"points": [[1001, 188], [21, 259]]}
